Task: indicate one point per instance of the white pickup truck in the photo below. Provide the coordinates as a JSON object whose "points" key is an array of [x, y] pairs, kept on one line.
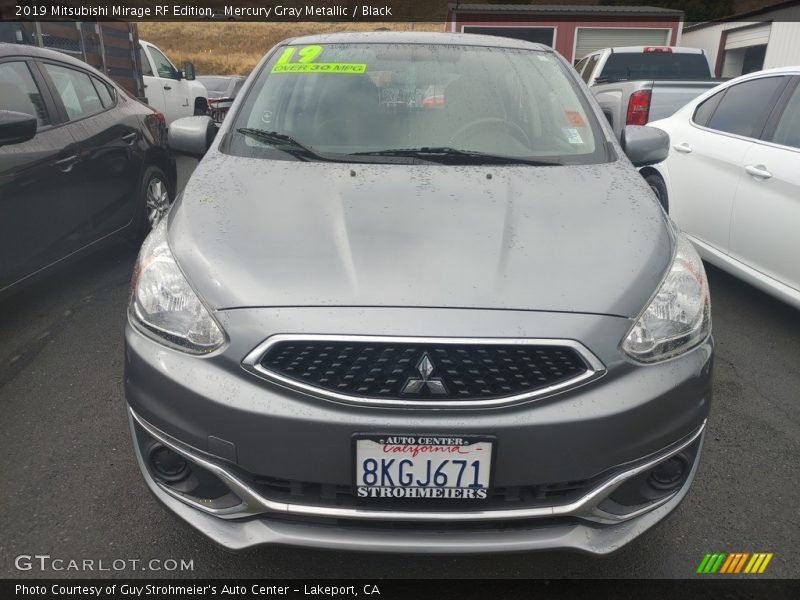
{"points": [[638, 84], [169, 90]]}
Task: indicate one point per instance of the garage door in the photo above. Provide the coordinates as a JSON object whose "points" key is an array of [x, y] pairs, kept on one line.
{"points": [[540, 35], [589, 40], [750, 36]]}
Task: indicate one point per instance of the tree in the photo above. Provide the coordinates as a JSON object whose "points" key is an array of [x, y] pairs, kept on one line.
{"points": [[694, 10]]}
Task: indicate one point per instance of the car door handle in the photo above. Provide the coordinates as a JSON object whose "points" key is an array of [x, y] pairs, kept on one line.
{"points": [[65, 164], [758, 171], [129, 139], [682, 148], [167, 87]]}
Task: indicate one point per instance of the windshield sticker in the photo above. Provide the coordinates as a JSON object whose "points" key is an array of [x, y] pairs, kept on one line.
{"points": [[572, 135], [574, 118], [305, 63]]}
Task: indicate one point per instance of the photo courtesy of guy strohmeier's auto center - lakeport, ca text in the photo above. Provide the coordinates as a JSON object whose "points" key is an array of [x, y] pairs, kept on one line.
{"points": [[412, 297]]}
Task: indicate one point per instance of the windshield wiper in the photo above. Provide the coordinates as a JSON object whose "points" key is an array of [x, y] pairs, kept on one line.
{"points": [[446, 154], [286, 142]]}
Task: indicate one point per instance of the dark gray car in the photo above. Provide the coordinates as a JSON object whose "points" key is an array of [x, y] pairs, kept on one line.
{"points": [[382, 320]]}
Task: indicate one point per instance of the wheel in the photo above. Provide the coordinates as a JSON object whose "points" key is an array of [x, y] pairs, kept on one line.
{"points": [[490, 122], [659, 189], [200, 107], [155, 198]]}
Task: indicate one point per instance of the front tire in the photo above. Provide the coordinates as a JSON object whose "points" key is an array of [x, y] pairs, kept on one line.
{"points": [[200, 107], [659, 189], [155, 198]]}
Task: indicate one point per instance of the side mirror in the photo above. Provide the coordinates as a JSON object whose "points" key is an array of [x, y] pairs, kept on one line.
{"points": [[192, 136], [188, 71], [644, 145], [16, 127]]}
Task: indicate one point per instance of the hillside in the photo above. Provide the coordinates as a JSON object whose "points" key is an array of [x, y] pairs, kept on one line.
{"points": [[235, 48]]}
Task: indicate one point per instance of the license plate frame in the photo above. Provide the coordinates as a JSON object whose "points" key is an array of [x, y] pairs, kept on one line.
{"points": [[487, 482]]}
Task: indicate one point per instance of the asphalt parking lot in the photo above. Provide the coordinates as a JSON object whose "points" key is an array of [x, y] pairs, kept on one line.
{"points": [[72, 490]]}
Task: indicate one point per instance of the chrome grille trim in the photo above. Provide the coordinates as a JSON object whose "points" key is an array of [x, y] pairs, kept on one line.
{"points": [[252, 363]]}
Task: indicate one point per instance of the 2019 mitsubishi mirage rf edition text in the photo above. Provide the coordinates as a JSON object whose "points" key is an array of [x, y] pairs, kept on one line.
{"points": [[416, 298]]}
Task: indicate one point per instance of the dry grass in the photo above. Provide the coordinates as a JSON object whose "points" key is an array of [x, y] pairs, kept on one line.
{"points": [[235, 48]]}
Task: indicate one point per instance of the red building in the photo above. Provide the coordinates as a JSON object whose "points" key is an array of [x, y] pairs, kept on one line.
{"points": [[573, 30]]}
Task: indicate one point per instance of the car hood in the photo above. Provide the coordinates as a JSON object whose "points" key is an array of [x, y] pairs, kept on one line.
{"points": [[254, 232]]}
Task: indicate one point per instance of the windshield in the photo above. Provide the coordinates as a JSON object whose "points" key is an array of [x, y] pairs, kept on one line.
{"points": [[367, 101]]}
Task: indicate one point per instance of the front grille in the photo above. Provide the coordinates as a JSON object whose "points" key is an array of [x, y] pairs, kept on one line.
{"points": [[426, 371], [342, 495]]}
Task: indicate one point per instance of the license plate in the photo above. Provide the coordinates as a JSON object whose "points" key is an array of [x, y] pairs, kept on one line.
{"points": [[446, 467]]}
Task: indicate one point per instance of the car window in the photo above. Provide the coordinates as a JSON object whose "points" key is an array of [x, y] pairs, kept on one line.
{"points": [[146, 70], [18, 92], [736, 112], [356, 98], [580, 64], [706, 108], [787, 132], [79, 96], [163, 66], [106, 94], [587, 73], [655, 65]]}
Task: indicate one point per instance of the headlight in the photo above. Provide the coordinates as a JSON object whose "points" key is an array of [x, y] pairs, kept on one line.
{"points": [[679, 317], [163, 304]]}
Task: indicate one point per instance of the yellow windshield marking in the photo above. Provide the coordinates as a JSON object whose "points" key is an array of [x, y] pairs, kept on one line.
{"points": [[305, 63]]}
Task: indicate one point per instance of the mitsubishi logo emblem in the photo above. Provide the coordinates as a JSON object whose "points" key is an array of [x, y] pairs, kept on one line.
{"points": [[425, 368]]}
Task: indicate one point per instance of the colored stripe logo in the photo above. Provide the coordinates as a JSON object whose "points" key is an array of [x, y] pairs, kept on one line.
{"points": [[735, 563]]}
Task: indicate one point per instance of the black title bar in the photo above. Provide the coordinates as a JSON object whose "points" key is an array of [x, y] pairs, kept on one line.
{"points": [[389, 589]]}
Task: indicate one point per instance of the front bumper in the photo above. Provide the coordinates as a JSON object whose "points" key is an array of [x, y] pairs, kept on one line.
{"points": [[581, 525], [231, 423]]}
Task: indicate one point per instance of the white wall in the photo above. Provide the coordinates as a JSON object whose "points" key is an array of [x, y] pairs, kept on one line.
{"points": [[783, 48]]}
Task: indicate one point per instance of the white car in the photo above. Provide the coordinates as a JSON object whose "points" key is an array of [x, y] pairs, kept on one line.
{"points": [[732, 178], [170, 90]]}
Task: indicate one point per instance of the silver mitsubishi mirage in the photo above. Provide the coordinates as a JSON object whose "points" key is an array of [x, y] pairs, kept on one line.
{"points": [[416, 297]]}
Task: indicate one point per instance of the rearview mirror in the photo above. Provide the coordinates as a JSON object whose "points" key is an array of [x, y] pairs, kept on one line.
{"points": [[16, 127], [188, 71], [192, 136], [644, 145]]}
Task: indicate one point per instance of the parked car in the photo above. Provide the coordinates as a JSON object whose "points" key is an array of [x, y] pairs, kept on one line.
{"points": [[222, 90], [385, 326], [114, 48], [222, 86], [109, 46], [732, 179], [80, 161], [637, 84], [171, 91]]}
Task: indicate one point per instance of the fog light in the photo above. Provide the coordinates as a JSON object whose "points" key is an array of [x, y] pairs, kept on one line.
{"points": [[669, 474], [170, 466]]}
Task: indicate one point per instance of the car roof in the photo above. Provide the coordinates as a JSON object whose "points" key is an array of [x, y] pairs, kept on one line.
{"points": [[791, 70], [37, 52], [418, 37]]}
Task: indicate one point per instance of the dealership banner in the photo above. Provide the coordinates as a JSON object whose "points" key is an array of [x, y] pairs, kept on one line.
{"points": [[390, 589], [384, 11]]}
